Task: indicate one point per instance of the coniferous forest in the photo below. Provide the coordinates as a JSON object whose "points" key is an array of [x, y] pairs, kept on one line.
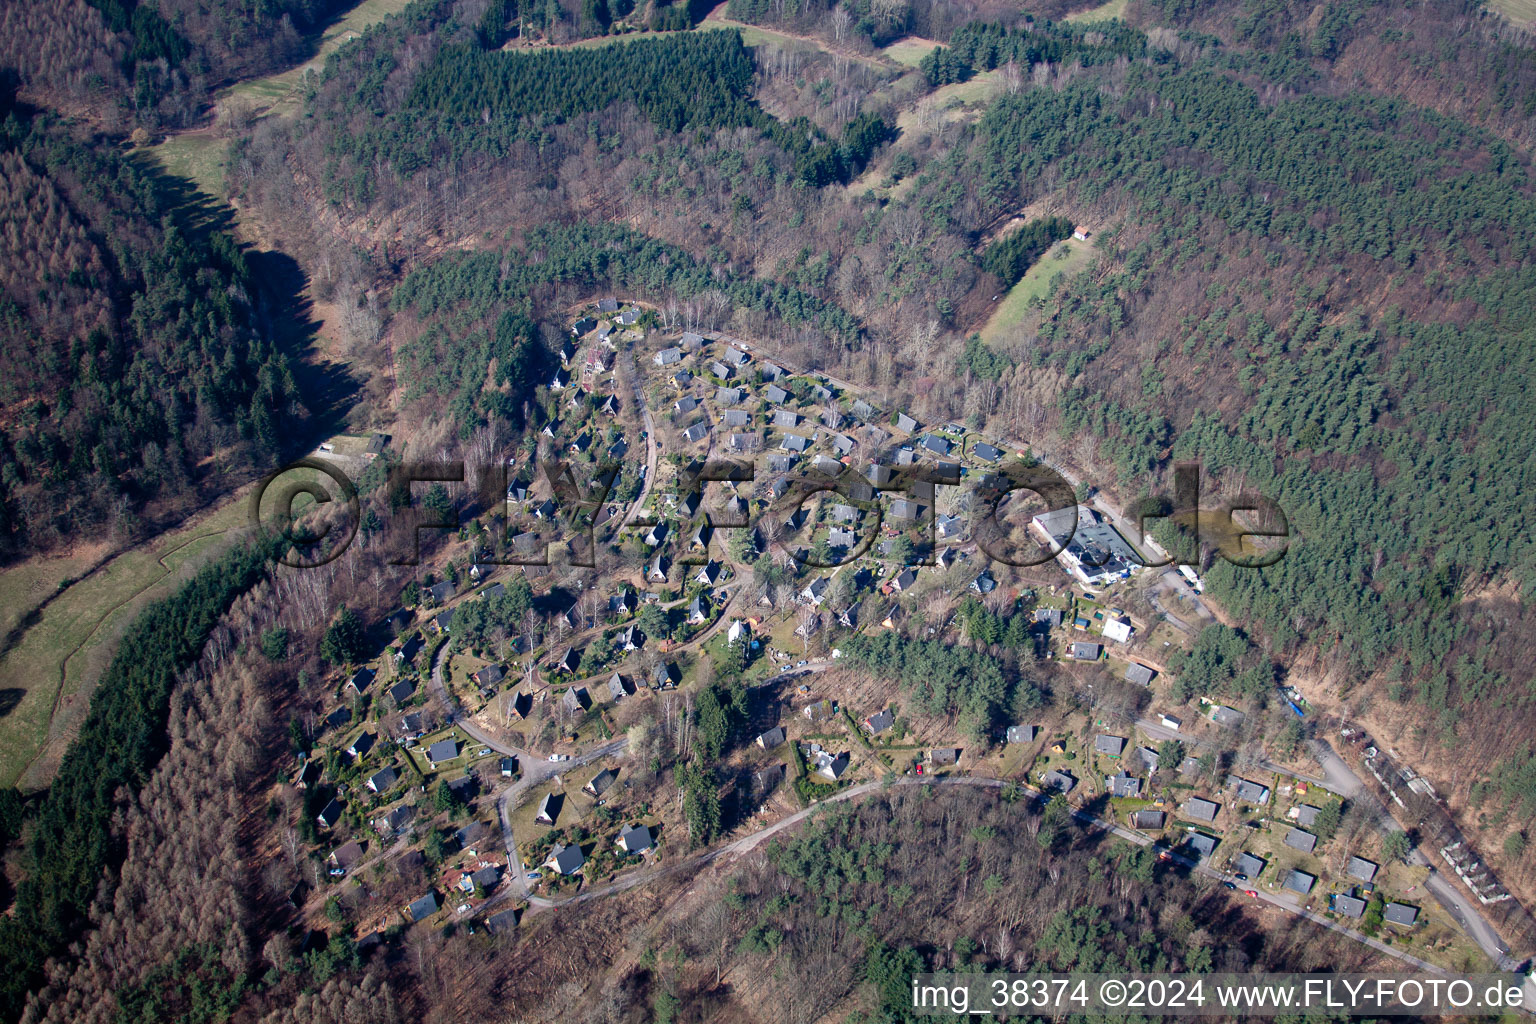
{"points": [[134, 347]]}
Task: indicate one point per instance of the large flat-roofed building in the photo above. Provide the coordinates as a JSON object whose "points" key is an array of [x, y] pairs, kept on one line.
{"points": [[1093, 553]]}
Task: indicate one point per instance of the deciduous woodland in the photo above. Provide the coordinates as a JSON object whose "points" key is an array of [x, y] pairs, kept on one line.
{"points": [[1286, 240]]}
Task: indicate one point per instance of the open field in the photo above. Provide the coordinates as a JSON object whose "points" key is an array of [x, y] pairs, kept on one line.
{"points": [[46, 677], [48, 671], [755, 35], [1111, 9], [1521, 12], [196, 156], [910, 51], [1064, 259]]}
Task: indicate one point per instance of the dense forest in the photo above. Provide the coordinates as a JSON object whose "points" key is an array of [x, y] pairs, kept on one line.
{"points": [[133, 349], [70, 843], [983, 692], [1344, 402], [150, 64], [476, 310]]}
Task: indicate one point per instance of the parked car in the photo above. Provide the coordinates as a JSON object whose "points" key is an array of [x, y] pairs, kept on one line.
{"points": [[1250, 892]]}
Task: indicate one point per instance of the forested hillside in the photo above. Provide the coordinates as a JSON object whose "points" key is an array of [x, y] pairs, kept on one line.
{"points": [[149, 64], [1355, 355], [132, 350], [476, 310]]}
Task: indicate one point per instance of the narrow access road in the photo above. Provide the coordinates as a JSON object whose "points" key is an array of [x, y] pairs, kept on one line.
{"points": [[747, 843], [650, 442]]}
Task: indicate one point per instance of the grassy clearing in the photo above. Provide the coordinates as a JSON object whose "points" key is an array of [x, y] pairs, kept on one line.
{"points": [[198, 157], [53, 666], [1521, 12], [910, 51], [1062, 260], [1116, 9]]}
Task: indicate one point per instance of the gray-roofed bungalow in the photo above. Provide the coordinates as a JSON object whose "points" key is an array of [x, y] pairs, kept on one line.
{"points": [[1249, 792], [619, 687], [1348, 906], [549, 808], [664, 677], [880, 721], [772, 738], [1058, 780], [442, 750], [576, 699], [795, 443], [331, 813], [1401, 913], [834, 767], [697, 432], [1202, 844], [986, 452], [1022, 733], [567, 860], [1082, 651], [727, 396], [1299, 882], [668, 356], [635, 839], [423, 908], [601, 781], [906, 423], [1306, 814], [1104, 743], [1123, 784], [777, 396], [771, 371], [1361, 868], [1296, 839], [1139, 674], [1227, 718], [1148, 819], [1247, 864], [360, 680], [381, 780], [1201, 809]]}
